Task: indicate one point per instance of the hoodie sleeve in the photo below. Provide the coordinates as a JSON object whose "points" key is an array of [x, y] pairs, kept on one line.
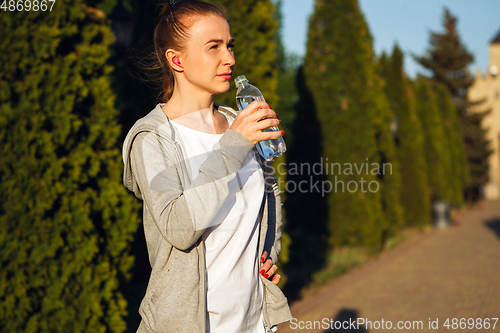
{"points": [[182, 214]]}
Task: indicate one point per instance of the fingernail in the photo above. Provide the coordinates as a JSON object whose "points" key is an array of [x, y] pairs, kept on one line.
{"points": [[279, 121], [270, 107], [266, 276], [282, 132], [262, 271], [262, 259]]}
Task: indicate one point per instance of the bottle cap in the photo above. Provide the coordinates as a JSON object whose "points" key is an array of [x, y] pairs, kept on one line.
{"points": [[239, 80]]}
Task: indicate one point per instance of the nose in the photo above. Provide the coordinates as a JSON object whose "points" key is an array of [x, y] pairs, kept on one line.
{"points": [[228, 59]]}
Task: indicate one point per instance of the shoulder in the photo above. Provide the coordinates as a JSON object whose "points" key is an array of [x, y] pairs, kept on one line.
{"points": [[154, 128], [149, 144], [155, 135]]}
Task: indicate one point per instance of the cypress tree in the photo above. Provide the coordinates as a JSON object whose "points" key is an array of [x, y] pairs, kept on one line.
{"points": [[409, 140], [437, 153], [285, 89], [454, 143], [138, 88], [66, 218], [389, 177], [287, 66], [447, 58], [340, 73], [478, 150]]}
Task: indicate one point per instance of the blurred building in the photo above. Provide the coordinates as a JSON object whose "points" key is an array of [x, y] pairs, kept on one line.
{"points": [[488, 87]]}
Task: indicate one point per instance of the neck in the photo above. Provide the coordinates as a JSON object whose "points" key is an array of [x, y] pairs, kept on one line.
{"points": [[184, 102], [195, 110]]}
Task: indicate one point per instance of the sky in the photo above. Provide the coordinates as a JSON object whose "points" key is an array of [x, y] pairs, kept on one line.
{"points": [[409, 23]]}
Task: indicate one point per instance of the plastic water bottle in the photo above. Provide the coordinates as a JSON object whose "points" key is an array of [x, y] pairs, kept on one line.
{"points": [[245, 95]]}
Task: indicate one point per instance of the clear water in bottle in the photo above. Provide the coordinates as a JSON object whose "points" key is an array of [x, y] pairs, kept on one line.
{"points": [[246, 94]]}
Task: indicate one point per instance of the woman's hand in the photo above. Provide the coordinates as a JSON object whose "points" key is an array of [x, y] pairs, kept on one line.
{"points": [[253, 119], [268, 270]]}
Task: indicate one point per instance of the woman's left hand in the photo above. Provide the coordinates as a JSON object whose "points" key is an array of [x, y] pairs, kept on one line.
{"points": [[268, 270]]}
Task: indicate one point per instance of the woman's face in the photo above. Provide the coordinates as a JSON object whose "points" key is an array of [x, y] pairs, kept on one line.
{"points": [[208, 59]]}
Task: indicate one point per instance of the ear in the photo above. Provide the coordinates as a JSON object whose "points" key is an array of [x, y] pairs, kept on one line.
{"points": [[174, 60]]}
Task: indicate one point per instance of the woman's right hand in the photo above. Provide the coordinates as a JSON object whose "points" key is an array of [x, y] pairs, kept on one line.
{"points": [[253, 119]]}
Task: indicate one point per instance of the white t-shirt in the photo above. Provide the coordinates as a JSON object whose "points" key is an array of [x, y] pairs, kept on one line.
{"points": [[234, 289]]}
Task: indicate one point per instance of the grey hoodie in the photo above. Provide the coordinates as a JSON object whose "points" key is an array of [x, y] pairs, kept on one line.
{"points": [[178, 209]]}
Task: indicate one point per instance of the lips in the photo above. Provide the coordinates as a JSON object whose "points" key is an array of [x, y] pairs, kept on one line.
{"points": [[225, 76]]}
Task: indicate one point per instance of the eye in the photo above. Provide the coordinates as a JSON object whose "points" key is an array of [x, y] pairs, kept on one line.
{"points": [[213, 47], [230, 46]]}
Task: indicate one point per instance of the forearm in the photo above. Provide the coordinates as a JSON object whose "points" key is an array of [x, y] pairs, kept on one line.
{"points": [[182, 212]]}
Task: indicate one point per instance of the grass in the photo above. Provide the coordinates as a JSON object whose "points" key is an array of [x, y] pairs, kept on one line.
{"points": [[342, 259], [339, 262]]}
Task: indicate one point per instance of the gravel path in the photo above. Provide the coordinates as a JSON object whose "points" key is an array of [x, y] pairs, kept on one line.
{"points": [[440, 274]]}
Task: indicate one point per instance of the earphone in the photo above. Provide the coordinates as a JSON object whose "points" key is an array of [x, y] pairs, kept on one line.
{"points": [[176, 61]]}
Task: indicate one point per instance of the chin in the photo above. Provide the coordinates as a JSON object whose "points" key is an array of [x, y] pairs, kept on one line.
{"points": [[222, 89]]}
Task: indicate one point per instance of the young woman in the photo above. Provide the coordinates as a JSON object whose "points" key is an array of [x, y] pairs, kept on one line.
{"points": [[212, 210]]}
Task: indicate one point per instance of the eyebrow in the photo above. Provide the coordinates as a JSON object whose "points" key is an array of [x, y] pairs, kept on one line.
{"points": [[219, 41]]}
